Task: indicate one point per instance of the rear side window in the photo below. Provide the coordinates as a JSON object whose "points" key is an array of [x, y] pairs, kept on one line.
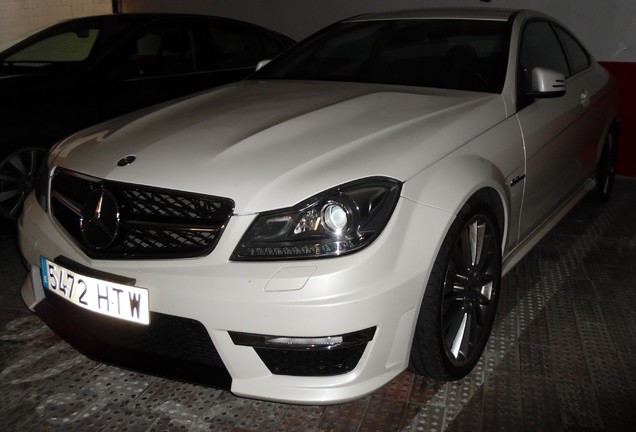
{"points": [[579, 59]]}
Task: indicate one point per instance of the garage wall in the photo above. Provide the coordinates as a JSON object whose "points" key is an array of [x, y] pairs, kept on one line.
{"points": [[606, 27], [18, 17]]}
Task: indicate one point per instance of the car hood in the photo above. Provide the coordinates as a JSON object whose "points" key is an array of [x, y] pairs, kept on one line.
{"points": [[272, 144]]}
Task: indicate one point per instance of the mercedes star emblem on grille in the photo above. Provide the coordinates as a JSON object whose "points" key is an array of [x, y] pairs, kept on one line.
{"points": [[99, 222]]}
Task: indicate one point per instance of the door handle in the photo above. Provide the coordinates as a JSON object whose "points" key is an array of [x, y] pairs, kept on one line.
{"points": [[585, 98]]}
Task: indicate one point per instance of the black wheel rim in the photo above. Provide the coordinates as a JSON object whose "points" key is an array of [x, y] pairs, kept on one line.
{"points": [[470, 291], [609, 167], [18, 172]]}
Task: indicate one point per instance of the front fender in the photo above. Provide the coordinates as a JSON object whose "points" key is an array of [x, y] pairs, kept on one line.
{"points": [[493, 162]]}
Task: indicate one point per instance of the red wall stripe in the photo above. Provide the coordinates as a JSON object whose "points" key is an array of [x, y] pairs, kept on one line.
{"points": [[625, 74]]}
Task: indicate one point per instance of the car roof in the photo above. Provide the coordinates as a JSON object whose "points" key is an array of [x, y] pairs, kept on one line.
{"points": [[440, 13], [135, 20], [145, 17]]}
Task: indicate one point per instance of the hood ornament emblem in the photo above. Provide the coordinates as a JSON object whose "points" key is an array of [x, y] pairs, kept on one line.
{"points": [[126, 160]]}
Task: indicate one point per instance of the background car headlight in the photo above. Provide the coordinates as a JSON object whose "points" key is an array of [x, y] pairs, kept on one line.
{"points": [[336, 222]]}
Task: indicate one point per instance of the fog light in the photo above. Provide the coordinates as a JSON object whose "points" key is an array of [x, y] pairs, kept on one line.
{"points": [[308, 356], [303, 343]]}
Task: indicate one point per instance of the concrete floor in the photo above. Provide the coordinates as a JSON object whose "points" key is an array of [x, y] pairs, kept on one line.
{"points": [[562, 357]]}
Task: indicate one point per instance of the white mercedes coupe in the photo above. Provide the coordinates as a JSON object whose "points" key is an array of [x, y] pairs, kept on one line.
{"points": [[342, 215]]}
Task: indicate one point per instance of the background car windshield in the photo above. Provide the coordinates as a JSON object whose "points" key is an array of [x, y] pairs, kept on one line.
{"points": [[68, 46], [60, 48], [442, 53]]}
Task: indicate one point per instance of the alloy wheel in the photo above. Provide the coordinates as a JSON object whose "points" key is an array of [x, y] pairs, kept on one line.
{"points": [[470, 291], [18, 172]]}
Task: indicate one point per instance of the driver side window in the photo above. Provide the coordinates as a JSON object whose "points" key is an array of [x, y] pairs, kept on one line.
{"points": [[540, 47]]}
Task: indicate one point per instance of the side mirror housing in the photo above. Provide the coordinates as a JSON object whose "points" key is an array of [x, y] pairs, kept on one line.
{"points": [[262, 63], [547, 83]]}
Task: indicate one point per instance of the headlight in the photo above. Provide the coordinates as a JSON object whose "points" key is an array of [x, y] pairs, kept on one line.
{"points": [[336, 222]]}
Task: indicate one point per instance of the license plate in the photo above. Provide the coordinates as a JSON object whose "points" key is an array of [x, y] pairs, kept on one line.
{"points": [[107, 298]]}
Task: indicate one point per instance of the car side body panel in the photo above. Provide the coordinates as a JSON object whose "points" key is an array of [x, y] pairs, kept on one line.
{"points": [[563, 143]]}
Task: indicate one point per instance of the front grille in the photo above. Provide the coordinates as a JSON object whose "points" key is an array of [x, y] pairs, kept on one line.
{"points": [[152, 223]]}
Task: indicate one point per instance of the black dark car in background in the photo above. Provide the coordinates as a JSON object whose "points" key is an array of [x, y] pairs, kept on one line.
{"points": [[85, 70]]}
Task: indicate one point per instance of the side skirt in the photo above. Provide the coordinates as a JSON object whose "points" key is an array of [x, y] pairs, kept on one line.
{"points": [[523, 247]]}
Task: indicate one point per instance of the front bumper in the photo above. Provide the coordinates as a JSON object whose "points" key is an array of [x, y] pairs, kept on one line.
{"points": [[377, 288]]}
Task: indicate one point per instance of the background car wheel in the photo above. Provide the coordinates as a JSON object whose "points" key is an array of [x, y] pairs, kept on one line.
{"points": [[18, 171], [606, 171], [461, 297]]}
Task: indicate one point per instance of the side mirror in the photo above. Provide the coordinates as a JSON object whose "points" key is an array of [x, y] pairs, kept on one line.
{"points": [[547, 83], [262, 63]]}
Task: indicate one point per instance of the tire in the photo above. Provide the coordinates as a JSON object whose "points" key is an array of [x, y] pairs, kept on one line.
{"points": [[606, 171], [18, 171], [460, 301]]}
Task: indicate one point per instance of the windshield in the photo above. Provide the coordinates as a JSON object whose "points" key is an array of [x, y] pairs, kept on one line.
{"points": [[443, 53]]}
